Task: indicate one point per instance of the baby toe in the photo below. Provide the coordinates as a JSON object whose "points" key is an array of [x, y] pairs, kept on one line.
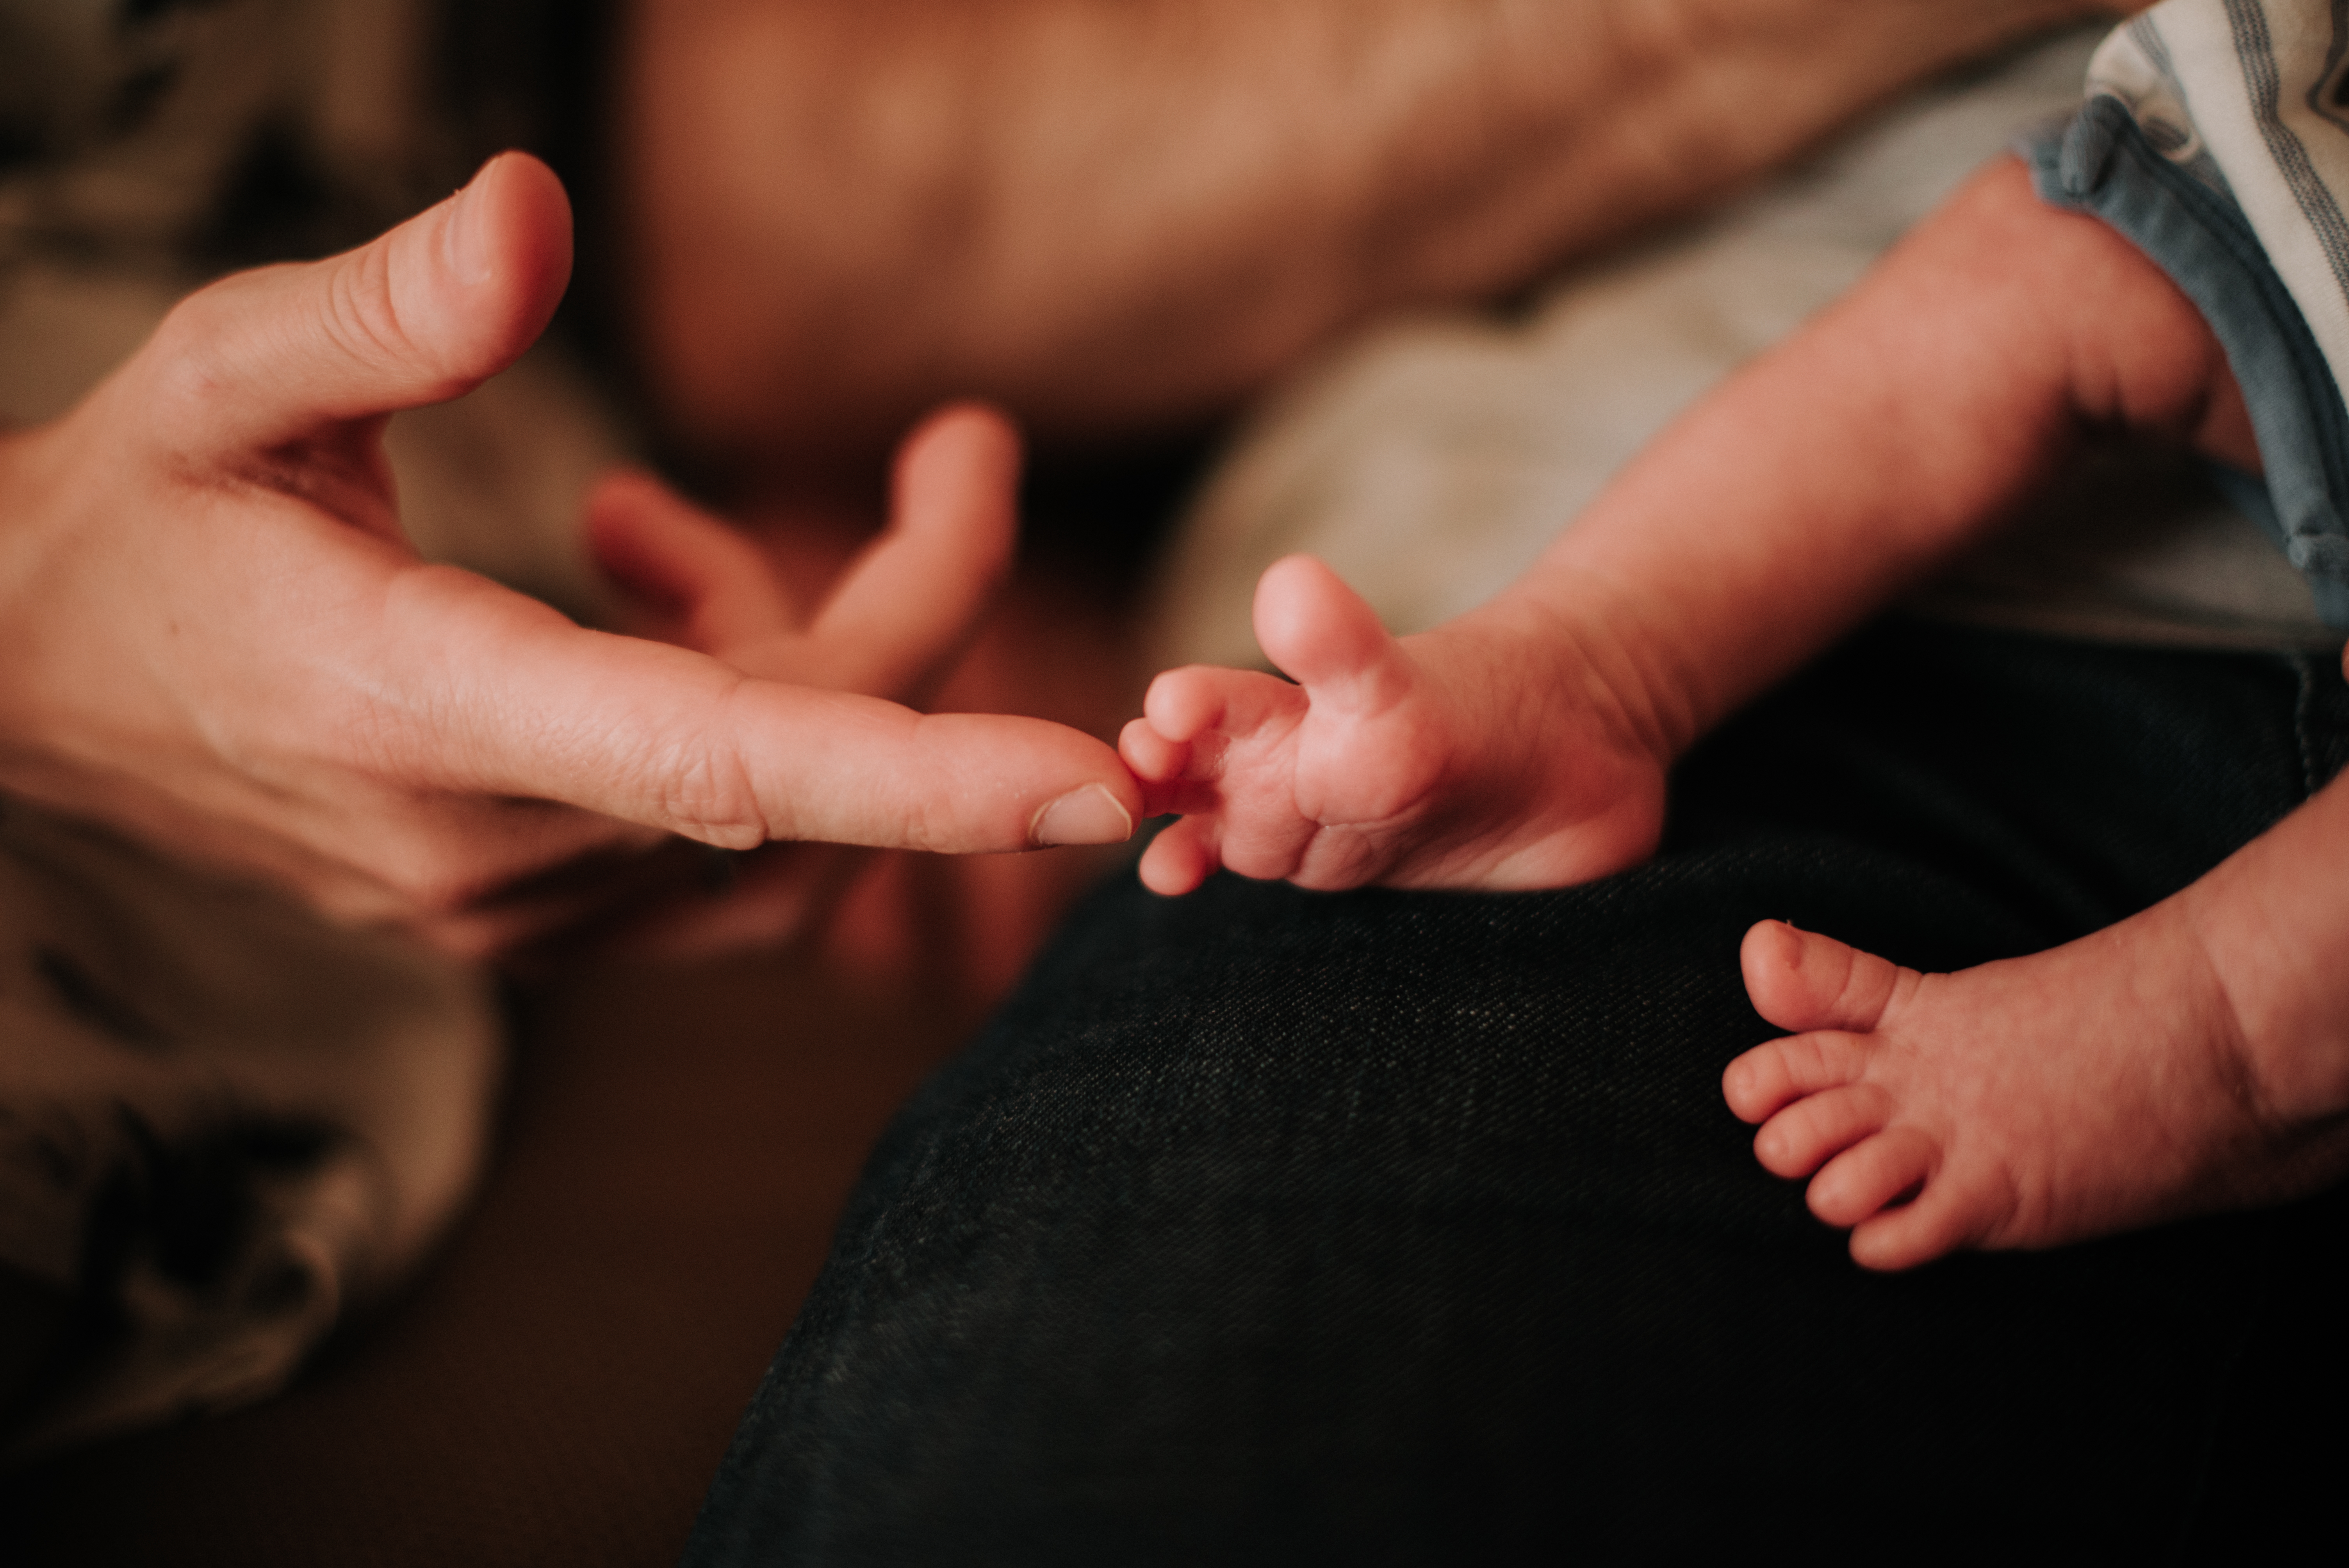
{"points": [[1933, 1226], [1801, 980], [1776, 1073], [1871, 1174], [1183, 702], [1180, 858], [1152, 756], [1815, 1127]]}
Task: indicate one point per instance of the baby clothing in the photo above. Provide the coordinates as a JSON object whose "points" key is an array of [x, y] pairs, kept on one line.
{"points": [[2216, 136]]}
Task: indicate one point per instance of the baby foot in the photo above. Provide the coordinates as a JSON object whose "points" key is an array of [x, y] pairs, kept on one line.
{"points": [[2099, 1086], [1477, 755]]}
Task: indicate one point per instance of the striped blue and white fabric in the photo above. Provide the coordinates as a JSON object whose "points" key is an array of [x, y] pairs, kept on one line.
{"points": [[2215, 135]]}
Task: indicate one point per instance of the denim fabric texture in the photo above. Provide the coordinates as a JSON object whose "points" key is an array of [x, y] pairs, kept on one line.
{"points": [[2102, 163], [1271, 1226]]}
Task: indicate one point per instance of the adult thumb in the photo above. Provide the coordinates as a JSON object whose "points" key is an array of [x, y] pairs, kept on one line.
{"points": [[419, 315]]}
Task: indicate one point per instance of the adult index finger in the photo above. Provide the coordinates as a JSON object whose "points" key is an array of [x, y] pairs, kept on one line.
{"points": [[500, 695]]}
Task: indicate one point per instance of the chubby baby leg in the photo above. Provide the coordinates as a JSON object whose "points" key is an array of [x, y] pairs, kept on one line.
{"points": [[2099, 1086], [1466, 757]]}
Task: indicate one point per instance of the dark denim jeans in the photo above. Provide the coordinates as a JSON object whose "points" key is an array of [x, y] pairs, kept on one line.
{"points": [[1265, 1225]]}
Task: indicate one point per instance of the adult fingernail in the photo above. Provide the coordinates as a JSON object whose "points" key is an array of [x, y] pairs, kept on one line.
{"points": [[467, 236], [1087, 816]]}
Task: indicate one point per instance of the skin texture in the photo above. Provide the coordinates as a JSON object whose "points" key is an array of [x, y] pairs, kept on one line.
{"points": [[2194, 1057], [1480, 755], [1112, 217], [217, 638]]}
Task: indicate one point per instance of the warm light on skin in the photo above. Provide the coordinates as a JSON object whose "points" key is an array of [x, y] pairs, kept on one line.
{"points": [[218, 637], [2092, 1088]]}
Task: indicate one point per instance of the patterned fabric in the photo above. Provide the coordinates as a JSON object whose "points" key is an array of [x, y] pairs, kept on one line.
{"points": [[223, 1125], [2246, 94], [2216, 136]]}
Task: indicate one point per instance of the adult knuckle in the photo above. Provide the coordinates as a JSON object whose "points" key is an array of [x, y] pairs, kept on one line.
{"points": [[704, 791], [359, 312], [190, 359], [201, 319], [441, 880], [415, 871]]}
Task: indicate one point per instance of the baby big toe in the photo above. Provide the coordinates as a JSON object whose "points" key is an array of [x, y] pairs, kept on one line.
{"points": [[1804, 1136], [1802, 980], [1863, 1178]]}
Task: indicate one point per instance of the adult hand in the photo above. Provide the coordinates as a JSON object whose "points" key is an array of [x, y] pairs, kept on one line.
{"points": [[213, 636]]}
